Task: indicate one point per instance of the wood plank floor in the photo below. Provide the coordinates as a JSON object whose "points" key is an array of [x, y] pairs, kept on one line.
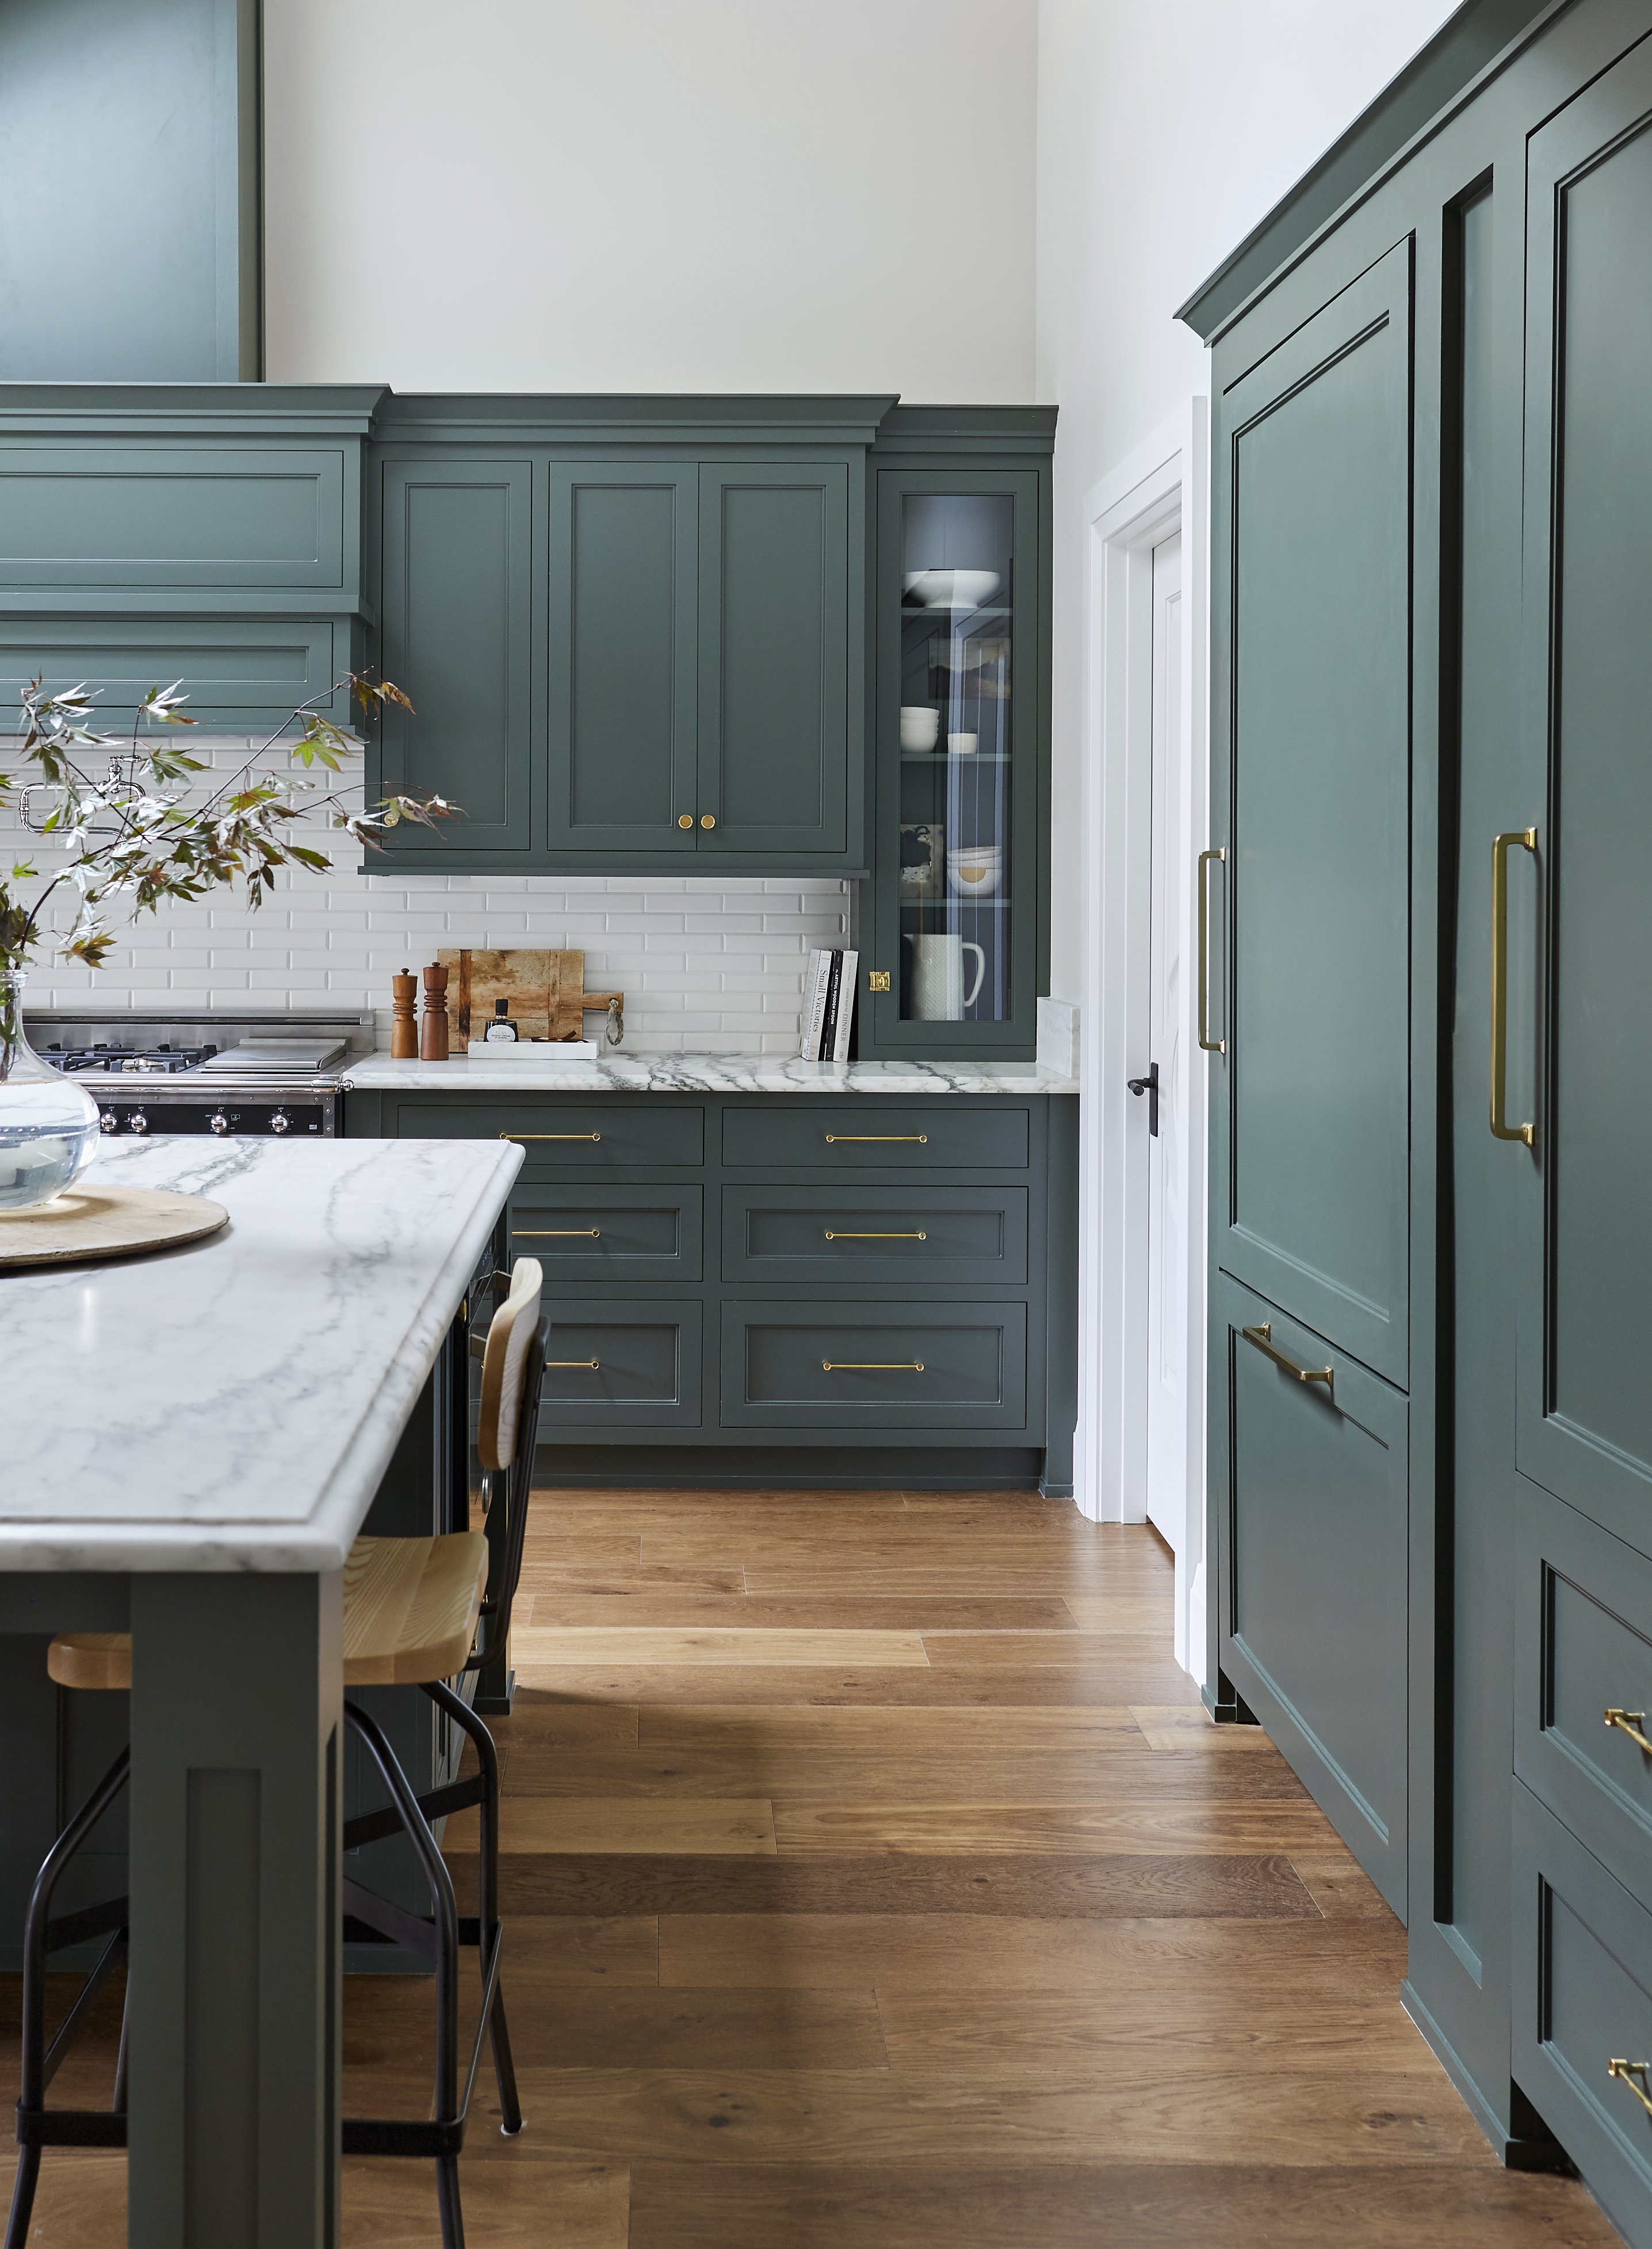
{"points": [[873, 1876]]}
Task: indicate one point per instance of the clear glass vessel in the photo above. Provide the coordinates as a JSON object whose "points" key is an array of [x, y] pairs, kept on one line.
{"points": [[49, 1128]]}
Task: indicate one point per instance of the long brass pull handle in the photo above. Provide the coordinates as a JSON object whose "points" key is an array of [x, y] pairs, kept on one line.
{"points": [[1628, 2070], [1502, 845], [1259, 1336], [831, 1237], [923, 1139], [1630, 1723], [592, 1363], [1210, 1045], [550, 1136], [559, 1232], [871, 1366]]}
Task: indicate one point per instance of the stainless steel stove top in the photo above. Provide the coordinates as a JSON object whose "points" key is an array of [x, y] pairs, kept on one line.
{"points": [[217, 1069]]}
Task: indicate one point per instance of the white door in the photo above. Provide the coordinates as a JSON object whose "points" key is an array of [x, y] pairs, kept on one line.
{"points": [[1167, 1163]]}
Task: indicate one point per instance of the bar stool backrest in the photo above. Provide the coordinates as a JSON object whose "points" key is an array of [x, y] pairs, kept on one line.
{"points": [[512, 1371]]}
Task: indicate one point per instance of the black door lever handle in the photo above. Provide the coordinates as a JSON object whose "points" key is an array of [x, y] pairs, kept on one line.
{"points": [[1150, 1085]]}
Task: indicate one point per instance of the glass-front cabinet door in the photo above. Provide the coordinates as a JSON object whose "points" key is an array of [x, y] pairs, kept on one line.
{"points": [[956, 913]]}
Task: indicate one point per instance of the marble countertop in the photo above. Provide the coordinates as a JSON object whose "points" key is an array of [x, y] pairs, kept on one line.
{"points": [[701, 1073], [232, 1404]]}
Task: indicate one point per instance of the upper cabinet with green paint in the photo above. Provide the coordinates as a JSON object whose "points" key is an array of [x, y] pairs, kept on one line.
{"points": [[631, 629]]}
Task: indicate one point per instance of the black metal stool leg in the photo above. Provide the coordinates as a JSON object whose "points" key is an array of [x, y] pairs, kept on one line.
{"points": [[22, 2198], [487, 1921]]}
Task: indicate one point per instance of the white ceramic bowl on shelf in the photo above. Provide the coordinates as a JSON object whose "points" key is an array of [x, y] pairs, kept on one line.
{"points": [[975, 870], [920, 727], [962, 746], [953, 589]]}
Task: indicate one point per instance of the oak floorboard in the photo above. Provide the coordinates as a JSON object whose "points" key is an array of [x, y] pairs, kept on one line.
{"points": [[1019, 1651], [617, 1579], [1168, 1826], [1339, 1886], [857, 1729], [950, 1686], [1088, 2205], [1123, 1612], [544, 1723], [674, 1606], [573, 1824], [534, 2201], [566, 1645], [1131, 1887]]}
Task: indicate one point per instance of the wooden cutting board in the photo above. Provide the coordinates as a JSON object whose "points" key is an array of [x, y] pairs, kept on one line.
{"points": [[545, 992], [99, 1222]]}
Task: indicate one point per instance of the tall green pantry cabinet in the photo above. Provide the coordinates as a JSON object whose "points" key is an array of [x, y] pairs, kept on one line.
{"points": [[1430, 1465]]}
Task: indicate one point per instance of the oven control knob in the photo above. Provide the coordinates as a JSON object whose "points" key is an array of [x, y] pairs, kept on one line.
{"points": [[109, 1121], [137, 1122], [280, 1122], [218, 1122]]}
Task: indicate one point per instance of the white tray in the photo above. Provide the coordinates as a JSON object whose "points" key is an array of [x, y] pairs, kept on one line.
{"points": [[536, 1050]]}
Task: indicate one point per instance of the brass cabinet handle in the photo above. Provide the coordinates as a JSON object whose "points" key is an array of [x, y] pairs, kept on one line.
{"points": [[685, 820], [550, 1136], [1210, 1045], [1628, 2070], [1259, 1336], [559, 1232], [1630, 1723], [592, 1363], [871, 1366], [921, 1139], [874, 1237], [1502, 845], [708, 820]]}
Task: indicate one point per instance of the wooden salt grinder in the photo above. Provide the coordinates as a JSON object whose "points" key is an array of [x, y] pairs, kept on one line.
{"points": [[432, 1031], [404, 1030]]}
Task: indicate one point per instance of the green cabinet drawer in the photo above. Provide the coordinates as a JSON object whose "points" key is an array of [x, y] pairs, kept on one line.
{"points": [[614, 1366], [634, 1234], [855, 1134], [902, 1236], [1582, 1962], [1583, 1646], [789, 1365], [567, 1136]]}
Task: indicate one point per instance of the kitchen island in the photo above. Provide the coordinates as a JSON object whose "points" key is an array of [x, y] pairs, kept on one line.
{"points": [[194, 1441]]}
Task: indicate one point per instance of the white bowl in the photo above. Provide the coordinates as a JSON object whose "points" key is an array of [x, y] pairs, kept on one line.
{"points": [[975, 872], [962, 746], [919, 726], [953, 589]]}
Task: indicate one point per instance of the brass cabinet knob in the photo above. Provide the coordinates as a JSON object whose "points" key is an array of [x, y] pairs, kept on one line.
{"points": [[685, 820], [877, 979], [706, 820]]}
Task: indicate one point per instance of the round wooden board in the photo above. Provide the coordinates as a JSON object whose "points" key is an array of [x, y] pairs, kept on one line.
{"points": [[99, 1221]]}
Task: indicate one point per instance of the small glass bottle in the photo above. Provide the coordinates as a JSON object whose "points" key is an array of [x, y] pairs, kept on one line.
{"points": [[501, 1031]]}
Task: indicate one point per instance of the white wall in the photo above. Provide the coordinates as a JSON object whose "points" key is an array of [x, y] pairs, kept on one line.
{"points": [[652, 195], [1165, 132]]}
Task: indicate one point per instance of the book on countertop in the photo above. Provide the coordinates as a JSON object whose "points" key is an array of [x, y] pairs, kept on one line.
{"points": [[833, 999], [814, 995], [849, 964]]}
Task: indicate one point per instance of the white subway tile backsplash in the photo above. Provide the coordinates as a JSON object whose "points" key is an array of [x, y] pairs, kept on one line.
{"points": [[702, 960]]}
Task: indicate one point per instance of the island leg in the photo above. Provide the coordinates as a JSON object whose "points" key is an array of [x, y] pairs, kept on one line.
{"points": [[236, 1992]]}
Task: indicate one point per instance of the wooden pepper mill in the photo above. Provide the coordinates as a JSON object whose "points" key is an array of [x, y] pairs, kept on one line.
{"points": [[432, 1031], [404, 1029]]}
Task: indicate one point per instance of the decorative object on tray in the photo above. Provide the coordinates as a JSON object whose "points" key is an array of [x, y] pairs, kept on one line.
{"points": [[952, 590], [975, 870], [105, 1221], [404, 1028], [828, 1005], [432, 1031], [132, 839], [544, 992], [920, 727], [921, 860]]}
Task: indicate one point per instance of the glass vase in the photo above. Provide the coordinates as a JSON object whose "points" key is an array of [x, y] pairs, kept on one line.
{"points": [[49, 1127]]}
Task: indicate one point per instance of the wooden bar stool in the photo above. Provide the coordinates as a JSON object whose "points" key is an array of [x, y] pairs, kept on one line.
{"points": [[417, 1612]]}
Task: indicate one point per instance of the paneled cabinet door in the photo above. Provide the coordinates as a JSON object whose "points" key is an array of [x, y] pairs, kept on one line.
{"points": [[621, 583], [1581, 905], [1310, 1103], [456, 637], [774, 658]]}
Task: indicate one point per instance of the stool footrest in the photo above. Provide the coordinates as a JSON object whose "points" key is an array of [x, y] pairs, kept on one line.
{"points": [[398, 2135], [91, 1921], [71, 2128], [374, 1826]]}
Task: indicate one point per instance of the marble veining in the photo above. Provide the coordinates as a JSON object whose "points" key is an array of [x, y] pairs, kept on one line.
{"points": [[702, 1073], [233, 1403]]}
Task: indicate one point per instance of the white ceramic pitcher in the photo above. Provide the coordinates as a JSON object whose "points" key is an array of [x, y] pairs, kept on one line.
{"points": [[938, 995]]}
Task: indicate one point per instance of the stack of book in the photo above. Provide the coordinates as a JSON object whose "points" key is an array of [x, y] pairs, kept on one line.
{"points": [[828, 1006]]}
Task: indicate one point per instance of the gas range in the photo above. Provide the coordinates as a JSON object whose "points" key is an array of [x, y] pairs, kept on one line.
{"points": [[216, 1070]]}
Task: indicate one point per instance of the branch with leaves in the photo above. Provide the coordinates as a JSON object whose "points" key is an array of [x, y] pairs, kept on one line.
{"points": [[134, 838]]}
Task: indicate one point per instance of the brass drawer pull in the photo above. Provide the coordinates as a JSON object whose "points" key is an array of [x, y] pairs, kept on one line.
{"points": [[1259, 1336], [1502, 845], [871, 1366], [1630, 1723], [1628, 2070], [921, 1139], [592, 1363], [874, 1237], [559, 1232], [550, 1136]]}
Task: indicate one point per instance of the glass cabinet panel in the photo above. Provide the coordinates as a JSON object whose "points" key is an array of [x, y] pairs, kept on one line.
{"points": [[956, 902]]}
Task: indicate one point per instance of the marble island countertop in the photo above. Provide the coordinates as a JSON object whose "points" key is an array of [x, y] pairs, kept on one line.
{"points": [[233, 1403], [701, 1073]]}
